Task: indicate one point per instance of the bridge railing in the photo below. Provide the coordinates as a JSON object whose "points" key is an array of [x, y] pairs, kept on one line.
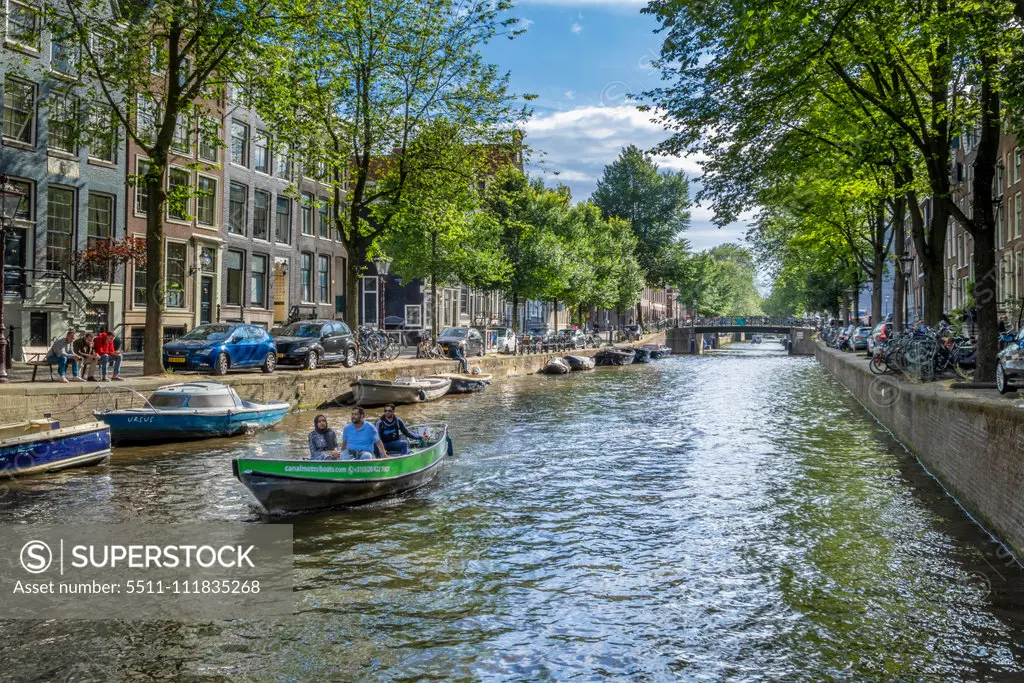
{"points": [[748, 321]]}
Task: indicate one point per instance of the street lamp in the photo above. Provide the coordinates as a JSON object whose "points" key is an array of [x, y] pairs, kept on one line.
{"points": [[10, 200], [383, 265], [906, 264], [885, 312]]}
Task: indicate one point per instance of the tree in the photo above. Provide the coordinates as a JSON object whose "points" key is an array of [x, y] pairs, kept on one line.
{"points": [[736, 268], [167, 71], [353, 89], [656, 204]]}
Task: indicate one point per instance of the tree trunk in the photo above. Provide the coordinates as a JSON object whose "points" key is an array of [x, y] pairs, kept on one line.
{"points": [[879, 252], [931, 255], [153, 337], [899, 291], [515, 314], [352, 288], [433, 308], [640, 311], [554, 305]]}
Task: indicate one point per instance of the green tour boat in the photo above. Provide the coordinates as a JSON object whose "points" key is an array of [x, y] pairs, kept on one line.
{"points": [[297, 485]]}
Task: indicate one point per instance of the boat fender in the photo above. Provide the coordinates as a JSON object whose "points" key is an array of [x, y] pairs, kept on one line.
{"points": [[451, 448], [422, 395]]}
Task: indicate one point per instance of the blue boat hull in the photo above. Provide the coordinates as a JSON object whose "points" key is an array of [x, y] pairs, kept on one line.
{"points": [[57, 450], [134, 427]]}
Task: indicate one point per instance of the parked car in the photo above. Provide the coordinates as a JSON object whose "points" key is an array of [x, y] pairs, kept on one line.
{"points": [[220, 347], [633, 332], [572, 339], [538, 335], [311, 343], [503, 339], [879, 335], [1010, 367], [468, 339], [860, 338]]}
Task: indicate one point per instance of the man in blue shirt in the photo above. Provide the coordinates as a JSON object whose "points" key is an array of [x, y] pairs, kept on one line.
{"points": [[359, 439]]}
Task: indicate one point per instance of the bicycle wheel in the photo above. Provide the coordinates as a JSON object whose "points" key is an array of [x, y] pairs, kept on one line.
{"points": [[964, 371], [392, 350], [878, 366]]}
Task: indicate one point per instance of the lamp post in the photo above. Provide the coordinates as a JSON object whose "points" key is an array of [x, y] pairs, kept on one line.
{"points": [[848, 293], [885, 311], [906, 264], [10, 200], [383, 265]]}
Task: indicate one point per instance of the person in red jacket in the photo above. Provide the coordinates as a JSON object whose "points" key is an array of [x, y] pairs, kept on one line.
{"points": [[104, 345]]}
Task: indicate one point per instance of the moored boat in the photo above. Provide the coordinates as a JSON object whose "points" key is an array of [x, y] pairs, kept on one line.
{"points": [[614, 356], [555, 366], [658, 351], [378, 392], [641, 355], [297, 485], [466, 384], [37, 446], [577, 363], [189, 411]]}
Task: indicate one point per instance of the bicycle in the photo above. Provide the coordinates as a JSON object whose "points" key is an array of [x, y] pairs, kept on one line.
{"points": [[429, 348], [375, 345]]}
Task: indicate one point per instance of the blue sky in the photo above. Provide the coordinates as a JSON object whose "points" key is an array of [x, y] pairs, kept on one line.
{"points": [[588, 61]]}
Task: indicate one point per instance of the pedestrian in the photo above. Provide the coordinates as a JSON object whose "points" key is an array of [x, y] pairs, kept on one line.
{"points": [[62, 353], [455, 351], [83, 348], [359, 439], [391, 429], [109, 355], [323, 441]]}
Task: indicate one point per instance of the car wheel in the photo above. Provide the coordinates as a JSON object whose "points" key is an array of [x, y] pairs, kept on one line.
{"points": [[350, 357], [1001, 384], [221, 366], [481, 353], [270, 362], [312, 360]]}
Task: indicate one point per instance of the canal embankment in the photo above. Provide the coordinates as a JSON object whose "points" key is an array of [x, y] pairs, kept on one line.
{"points": [[304, 389], [970, 440]]}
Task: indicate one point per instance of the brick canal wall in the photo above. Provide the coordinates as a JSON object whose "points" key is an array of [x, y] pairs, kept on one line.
{"points": [[73, 403], [973, 444]]}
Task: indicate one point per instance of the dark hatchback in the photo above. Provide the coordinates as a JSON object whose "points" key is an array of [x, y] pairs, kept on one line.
{"points": [[466, 338], [311, 343]]}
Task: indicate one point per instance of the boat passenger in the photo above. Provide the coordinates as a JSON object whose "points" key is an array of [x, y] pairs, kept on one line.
{"points": [[360, 438], [323, 441], [61, 353], [391, 428]]}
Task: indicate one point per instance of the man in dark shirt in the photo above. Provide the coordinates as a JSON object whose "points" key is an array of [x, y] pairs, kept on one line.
{"points": [[391, 428]]}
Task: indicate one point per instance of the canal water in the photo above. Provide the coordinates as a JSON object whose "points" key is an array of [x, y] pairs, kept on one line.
{"points": [[737, 516]]}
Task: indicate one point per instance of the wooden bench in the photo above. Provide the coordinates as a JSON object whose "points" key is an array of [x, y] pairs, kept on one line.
{"points": [[36, 356]]}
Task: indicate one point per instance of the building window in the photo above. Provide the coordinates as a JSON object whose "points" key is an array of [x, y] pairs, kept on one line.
{"points": [[100, 227], [258, 288], [139, 291], [19, 111], [413, 316], [1016, 165], [369, 308], [239, 143], [23, 24], [324, 223], [24, 210], [209, 140], [63, 58], [260, 215], [60, 228], [179, 204], [62, 120], [283, 165], [306, 206], [323, 278], [306, 277], [1017, 215], [206, 200], [233, 265], [261, 152], [103, 133], [177, 255], [181, 140], [283, 221], [145, 118], [238, 214], [464, 303], [141, 192]]}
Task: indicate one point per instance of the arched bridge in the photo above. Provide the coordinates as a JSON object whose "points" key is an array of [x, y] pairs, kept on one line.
{"points": [[690, 338]]}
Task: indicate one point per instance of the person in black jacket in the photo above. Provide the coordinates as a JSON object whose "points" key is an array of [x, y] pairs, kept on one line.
{"points": [[391, 429]]}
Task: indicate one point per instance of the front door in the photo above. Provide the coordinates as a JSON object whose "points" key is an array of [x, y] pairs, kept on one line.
{"points": [[206, 300], [280, 293]]}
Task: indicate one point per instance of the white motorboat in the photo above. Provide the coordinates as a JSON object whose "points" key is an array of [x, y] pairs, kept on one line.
{"points": [[378, 392]]}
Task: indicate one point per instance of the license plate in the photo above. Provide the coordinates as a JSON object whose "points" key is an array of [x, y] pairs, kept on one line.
{"points": [[175, 359], [280, 355]]}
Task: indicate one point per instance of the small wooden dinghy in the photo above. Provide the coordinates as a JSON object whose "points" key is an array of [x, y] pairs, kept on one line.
{"points": [[379, 392], [466, 384], [37, 446], [578, 363], [555, 366], [297, 485], [614, 356]]}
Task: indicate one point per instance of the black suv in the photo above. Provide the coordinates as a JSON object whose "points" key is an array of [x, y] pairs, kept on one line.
{"points": [[311, 343]]}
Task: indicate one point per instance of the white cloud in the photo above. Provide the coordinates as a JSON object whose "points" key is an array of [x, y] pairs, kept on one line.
{"points": [[576, 28], [577, 144], [524, 24], [569, 94]]}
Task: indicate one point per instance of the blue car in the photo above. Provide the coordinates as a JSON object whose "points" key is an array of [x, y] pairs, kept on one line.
{"points": [[220, 347]]}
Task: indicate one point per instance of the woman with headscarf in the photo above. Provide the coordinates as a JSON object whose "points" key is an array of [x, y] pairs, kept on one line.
{"points": [[323, 442]]}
